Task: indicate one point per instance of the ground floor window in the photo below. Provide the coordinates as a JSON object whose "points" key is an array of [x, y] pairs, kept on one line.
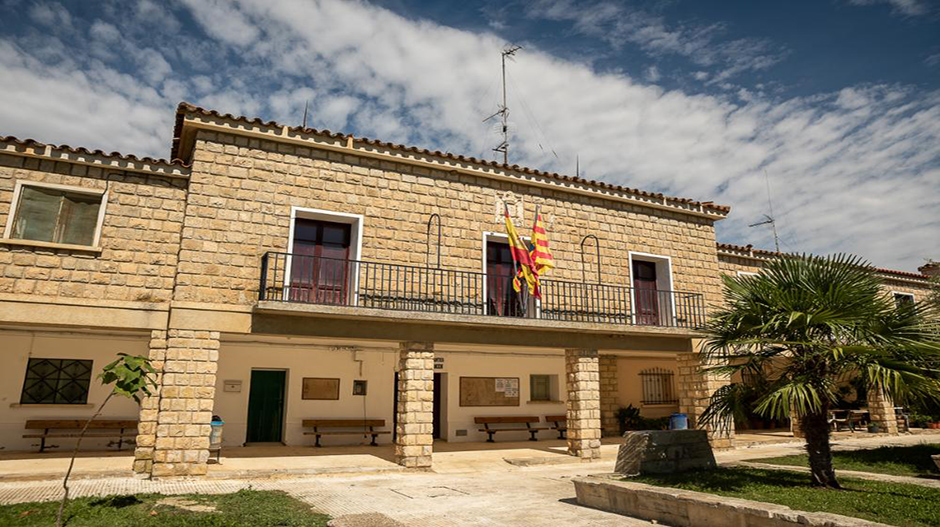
{"points": [[658, 386], [543, 387], [56, 381]]}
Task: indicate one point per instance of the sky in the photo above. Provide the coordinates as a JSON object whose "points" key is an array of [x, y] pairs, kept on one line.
{"points": [[825, 112]]}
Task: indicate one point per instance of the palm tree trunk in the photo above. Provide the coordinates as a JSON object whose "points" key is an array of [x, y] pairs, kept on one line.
{"points": [[816, 431]]}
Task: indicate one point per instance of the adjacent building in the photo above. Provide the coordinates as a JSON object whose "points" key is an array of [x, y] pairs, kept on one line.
{"points": [[277, 274]]}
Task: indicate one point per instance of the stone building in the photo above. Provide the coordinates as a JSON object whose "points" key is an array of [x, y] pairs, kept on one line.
{"points": [[277, 274]]}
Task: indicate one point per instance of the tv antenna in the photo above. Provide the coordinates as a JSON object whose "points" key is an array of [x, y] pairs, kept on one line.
{"points": [[503, 112], [305, 114], [769, 219]]}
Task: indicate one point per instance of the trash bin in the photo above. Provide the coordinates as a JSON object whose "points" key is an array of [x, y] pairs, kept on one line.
{"points": [[215, 437], [678, 422]]}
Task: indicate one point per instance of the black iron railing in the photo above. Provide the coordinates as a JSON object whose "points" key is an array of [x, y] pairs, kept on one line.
{"points": [[308, 279]]}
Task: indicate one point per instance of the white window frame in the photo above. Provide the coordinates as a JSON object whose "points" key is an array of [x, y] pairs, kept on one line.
{"points": [[355, 241], [502, 237], [14, 206], [662, 284], [553, 388], [747, 273], [894, 295]]}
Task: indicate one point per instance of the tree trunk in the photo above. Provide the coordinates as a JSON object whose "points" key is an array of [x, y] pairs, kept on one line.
{"points": [[816, 431], [65, 482]]}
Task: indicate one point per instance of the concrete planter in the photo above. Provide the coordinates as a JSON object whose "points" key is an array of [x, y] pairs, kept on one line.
{"points": [[683, 508]]}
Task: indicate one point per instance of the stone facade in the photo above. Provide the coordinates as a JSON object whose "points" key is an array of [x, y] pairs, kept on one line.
{"points": [[139, 243], [584, 414], [415, 428], [695, 390], [610, 427]]}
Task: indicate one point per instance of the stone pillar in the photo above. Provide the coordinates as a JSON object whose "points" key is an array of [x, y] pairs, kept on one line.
{"points": [[695, 390], [415, 429], [881, 410], [584, 405], [174, 438], [608, 378]]}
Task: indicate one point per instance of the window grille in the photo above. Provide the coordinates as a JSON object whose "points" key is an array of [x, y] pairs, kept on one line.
{"points": [[658, 386], [540, 387], [56, 381]]}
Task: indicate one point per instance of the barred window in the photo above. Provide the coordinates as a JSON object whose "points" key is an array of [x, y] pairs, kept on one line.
{"points": [[56, 381], [541, 387], [658, 386]]}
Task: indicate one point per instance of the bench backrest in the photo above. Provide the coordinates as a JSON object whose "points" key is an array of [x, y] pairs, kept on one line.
{"points": [[342, 423], [509, 419], [77, 424], [556, 418]]}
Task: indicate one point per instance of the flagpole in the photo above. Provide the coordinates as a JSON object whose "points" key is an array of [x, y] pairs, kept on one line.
{"points": [[515, 267]]}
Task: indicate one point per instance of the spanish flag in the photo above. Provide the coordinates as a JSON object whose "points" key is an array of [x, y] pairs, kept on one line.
{"points": [[522, 258]]}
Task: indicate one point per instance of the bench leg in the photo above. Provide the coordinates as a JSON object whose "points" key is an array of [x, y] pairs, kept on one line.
{"points": [[42, 442], [561, 434], [533, 432], [373, 443], [121, 440], [490, 440], [317, 444]]}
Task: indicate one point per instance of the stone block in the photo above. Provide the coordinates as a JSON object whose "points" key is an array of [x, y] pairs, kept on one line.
{"points": [[664, 452]]}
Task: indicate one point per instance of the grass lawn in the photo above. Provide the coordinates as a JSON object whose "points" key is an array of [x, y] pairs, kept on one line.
{"points": [[895, 460], [891, 503], [246, 508]]}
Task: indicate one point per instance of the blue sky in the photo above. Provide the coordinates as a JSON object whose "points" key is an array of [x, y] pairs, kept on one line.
{"points": [[838, 101]]}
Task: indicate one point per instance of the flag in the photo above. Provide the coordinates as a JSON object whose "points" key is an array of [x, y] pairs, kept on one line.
{"points": [[522, 258], [541, 255]]}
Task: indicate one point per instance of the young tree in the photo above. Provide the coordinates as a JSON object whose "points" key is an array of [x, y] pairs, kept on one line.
{"points": [[810, 324], [132, 378]]}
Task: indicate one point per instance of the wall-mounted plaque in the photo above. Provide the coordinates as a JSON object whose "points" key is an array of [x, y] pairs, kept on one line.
{"points": [[316, 388]]}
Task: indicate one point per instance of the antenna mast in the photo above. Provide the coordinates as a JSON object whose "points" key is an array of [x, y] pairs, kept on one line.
{"points": [[305, 114], [771, 219], [503, 112]]}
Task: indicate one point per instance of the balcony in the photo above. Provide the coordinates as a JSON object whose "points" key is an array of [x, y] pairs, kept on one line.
{"points": [[302, 279]]}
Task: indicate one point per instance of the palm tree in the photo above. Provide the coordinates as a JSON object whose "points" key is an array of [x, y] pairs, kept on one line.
{"points": [[810, 324]]}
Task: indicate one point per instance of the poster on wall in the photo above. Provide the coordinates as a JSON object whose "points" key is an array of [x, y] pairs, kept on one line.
{"points": [[320, 389], [489, 391]]}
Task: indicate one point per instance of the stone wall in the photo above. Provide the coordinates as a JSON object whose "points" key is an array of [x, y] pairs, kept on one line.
{"points": [[139, 238], [695, 390], [610, 427], [415, 428], [242, 191]]}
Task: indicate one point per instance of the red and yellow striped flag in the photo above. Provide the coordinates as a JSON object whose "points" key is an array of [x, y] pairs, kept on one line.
{"points": [[541, 255], [520, 255]]}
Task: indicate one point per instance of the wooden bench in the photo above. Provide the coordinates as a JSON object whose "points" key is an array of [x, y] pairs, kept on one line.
{"points": [[509, 420], [328, 427], [123, 429], [559, 424]]}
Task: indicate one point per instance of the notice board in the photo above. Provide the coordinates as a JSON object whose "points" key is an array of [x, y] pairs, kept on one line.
{"points": [[320, 389], [489, 391]]}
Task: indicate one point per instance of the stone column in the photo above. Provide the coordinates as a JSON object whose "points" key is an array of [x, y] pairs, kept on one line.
{"points": [[584, 413], [695, 390], [608, 378], [415, 429], [149, 408], [881, 411], [177, 442]]}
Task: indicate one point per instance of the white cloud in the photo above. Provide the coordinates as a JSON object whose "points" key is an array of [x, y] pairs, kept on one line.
{"points": [[50, 14], [901, 7], [856, 170]]}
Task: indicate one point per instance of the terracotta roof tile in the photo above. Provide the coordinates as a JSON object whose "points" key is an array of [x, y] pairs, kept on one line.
{"points": [[760, 253], [32, 143], [185, 108]]}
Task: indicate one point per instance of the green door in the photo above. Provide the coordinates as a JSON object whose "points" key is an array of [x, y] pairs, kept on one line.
{"points": [[266, 406]]}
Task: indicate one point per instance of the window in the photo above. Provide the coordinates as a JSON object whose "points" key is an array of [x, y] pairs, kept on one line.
{"points": [[323, 247], [56, 214], [658, 386], [651, 277], [501, 299], [903, 299], [56, 381], [747, 273], [543, 387]]}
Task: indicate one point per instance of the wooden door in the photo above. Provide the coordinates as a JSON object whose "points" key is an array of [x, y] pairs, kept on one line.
{"points": [[266, 406], [320, 262], [645, 294]]}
